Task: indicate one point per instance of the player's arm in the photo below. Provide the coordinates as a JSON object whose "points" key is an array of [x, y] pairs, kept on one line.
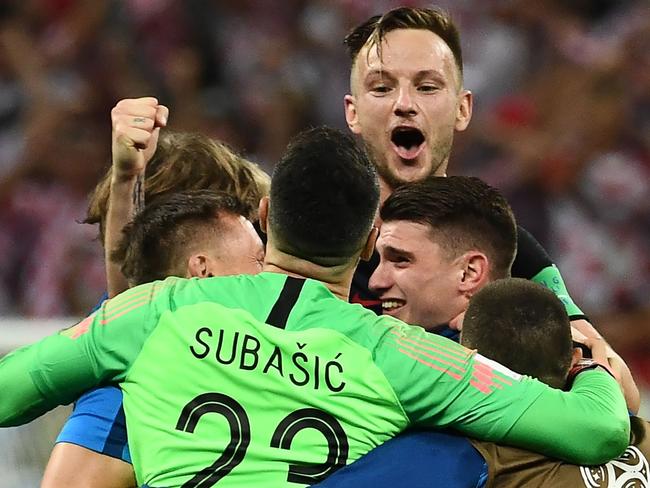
{"points": [[136, 126], [73, 466], [533, 262], [442, 384], [56, 370], [583, 332], [92, 448], [593, 416]]}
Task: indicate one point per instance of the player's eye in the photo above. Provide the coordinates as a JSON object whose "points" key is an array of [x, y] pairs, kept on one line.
{"points": [[380, 89], [399, 260], [427, 88]]}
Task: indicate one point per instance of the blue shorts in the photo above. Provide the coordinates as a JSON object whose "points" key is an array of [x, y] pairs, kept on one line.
{"points": [[97, 423]]}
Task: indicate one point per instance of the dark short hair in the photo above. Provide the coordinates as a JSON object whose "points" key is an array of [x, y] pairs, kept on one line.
{"points": [[464, 213], [375, 29], [523, 326], [189, 161], [155, 244], [324, 197]]}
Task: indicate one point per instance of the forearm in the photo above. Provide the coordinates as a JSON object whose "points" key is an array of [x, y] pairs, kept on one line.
{"points": [[21, 401], [446, 385], [532, 262], [628, 385], [57, 369], [136, 128], [124, 202], [616, 363], [588, 425], [37, 378]]}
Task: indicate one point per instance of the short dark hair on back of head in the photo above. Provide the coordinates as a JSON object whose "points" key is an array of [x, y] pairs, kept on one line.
{"points": [[464, 214], [523, 326], [375, 28], [155, 243], [324, 197]]}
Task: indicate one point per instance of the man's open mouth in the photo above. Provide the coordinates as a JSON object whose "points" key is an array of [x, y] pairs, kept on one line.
{"points": [[391, 305], [407, 142]]}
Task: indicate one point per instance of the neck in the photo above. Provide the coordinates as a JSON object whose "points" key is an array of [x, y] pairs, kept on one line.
{"points": [[384, 191], [337, 279], [456, 323]]}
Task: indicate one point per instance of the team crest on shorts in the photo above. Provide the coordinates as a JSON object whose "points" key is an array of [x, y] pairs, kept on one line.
{"points": [[628, 471]]}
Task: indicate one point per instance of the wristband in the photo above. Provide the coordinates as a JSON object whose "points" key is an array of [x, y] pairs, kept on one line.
{"points": [[550, 278], [584, 365], [579, 316]]}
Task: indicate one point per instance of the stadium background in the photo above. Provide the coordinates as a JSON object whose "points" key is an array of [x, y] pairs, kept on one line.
{"points": [[561, 126]]}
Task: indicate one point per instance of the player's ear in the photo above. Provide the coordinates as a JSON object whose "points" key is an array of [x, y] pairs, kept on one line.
{"points": [[351, 116], [464, 110], [475, 272], [263, 213], [198, 266], [576, 356], [369, 247]]}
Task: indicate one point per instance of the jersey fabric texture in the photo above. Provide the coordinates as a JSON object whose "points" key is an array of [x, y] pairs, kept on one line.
{"points": [[284, 383], [417, 459], [97, 420], [97, 423]]}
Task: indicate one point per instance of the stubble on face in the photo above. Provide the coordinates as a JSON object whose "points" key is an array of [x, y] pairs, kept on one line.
{"points": [[405, 54], [438, 167]]}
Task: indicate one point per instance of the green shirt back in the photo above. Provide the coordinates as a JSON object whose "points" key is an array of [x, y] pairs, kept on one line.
{"points": [[249, 403], [270, 380]]}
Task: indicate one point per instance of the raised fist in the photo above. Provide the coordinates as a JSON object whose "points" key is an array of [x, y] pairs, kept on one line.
{"points": [[136, 125]]}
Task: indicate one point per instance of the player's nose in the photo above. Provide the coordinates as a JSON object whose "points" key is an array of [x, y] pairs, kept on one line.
{"points": [[405, 105], [380, 279]]}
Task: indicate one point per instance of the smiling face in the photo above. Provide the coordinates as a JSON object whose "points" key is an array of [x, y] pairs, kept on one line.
{"points": [[416, 280], [406, 104]]}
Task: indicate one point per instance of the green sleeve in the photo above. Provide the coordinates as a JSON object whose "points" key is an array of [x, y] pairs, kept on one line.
{"points": [[20, 400], [588, 425], [56, 370], [551, 278], [442, 384]]}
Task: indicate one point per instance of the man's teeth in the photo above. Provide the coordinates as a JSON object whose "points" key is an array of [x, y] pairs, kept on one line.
{"points": [[389, 304]]}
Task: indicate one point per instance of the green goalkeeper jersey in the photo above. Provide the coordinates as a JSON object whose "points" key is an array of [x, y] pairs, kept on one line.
{"points": [[270, 380]]}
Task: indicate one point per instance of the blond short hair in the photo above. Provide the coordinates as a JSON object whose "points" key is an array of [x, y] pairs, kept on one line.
{"points": [[189, 161]]}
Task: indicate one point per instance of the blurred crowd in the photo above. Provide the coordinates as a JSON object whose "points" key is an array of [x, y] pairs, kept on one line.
{"points": [[561, 123]]}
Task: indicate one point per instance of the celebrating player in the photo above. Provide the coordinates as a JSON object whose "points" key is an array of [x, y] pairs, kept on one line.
{"points": [[438, 130], [275, 378], [442, 241], [92, 448], [406, 102]]}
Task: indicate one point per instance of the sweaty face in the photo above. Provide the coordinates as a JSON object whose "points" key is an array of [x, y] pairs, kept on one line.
{"points": [[415, 280], [240, 249], [407, 105]]}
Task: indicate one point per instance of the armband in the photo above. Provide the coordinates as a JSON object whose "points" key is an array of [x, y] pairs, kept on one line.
{"points": [[584, 365], [551, 278]]}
